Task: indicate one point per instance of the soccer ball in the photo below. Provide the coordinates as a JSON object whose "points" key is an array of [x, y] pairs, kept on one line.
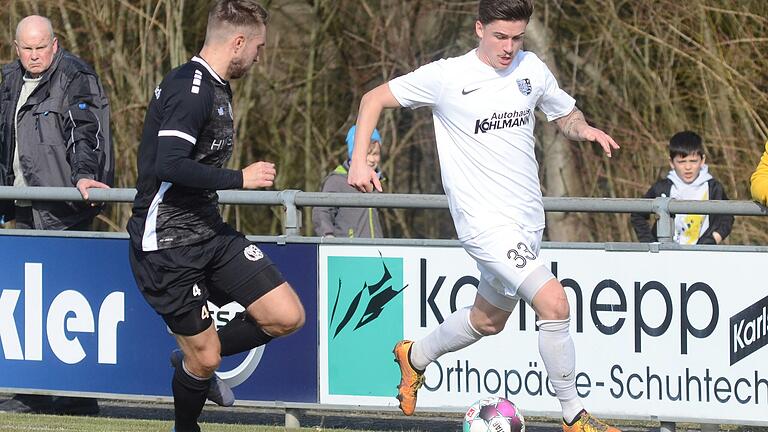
{"points": [[493, 414]]}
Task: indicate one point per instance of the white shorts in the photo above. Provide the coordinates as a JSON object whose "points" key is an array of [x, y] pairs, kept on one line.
{"points": [[509, 264]]}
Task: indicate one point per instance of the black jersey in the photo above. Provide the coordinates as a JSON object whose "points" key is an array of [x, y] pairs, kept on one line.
{"points": [[187, 138]]}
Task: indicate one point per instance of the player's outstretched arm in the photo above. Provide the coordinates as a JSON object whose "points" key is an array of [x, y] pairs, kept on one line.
{"points": [[259, 175], [575, 128], [361, 176]]}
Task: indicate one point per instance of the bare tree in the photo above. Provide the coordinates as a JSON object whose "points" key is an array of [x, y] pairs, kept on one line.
{"points": [[641, 70]]}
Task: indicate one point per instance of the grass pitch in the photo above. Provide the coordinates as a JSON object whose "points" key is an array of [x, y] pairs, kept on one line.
{"points": [[49, 423]]}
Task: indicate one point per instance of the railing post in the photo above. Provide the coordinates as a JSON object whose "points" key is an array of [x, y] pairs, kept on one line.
{"points": [[292, 215], [292, 418], [667, 426], [665, 226]]}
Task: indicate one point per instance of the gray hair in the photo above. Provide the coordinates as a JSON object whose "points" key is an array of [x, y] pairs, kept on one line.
{"points": [[26, 21]]}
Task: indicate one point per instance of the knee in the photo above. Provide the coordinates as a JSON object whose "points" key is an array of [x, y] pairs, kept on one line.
{"points": [[288, 322], [487, 326], [486, 319], [296, 321], [558, 309], [206, 362], [562, 310], [491, 329]]}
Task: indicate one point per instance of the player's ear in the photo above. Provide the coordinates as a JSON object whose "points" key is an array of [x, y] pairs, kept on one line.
{"points": [[479, 29], [238, 43]]}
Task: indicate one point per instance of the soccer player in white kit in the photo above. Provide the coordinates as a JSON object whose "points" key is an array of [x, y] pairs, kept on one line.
{"points": [[482, 104]]}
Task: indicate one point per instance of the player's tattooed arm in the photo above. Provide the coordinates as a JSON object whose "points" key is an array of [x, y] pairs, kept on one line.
{"points": [[572, 124], [575, 128]]}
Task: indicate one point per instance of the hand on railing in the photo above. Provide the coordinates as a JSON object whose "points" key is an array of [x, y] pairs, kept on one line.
{"points": [[84, 184]]}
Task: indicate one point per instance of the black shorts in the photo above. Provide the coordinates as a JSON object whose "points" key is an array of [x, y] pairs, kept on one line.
{"points": [[178, 282]]}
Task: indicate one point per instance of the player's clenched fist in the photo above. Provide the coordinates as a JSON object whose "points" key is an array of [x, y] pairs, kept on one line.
{"points": [[363, 178], [259, 175]]}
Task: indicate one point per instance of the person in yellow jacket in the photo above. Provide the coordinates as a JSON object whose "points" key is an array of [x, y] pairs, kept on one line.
{"points": [[759, 180]]}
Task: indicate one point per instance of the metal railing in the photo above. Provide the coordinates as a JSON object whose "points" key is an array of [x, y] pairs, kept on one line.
{"points": [[292, 200]]}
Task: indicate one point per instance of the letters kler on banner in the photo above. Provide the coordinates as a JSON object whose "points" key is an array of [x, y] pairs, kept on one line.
{"points": [[69, 327]]}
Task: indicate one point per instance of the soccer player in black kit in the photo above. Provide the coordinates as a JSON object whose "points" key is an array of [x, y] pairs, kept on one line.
{"points": [[182, 253]]}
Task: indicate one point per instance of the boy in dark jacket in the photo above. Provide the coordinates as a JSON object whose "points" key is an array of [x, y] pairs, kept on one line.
{"points": [[689, 179], [360, 222]]}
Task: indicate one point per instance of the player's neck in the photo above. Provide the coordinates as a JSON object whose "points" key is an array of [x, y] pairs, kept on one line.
{"points": [[217, 62]]}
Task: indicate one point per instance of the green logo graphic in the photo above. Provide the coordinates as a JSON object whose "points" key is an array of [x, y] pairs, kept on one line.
{"points": [[365, 321]]}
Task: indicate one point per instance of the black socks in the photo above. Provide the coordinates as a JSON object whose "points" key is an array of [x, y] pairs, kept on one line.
{"points": [[189, 394], [241, 334]]}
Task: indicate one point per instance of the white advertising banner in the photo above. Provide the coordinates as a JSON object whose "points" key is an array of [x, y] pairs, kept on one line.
{"points": [[675, 335]]}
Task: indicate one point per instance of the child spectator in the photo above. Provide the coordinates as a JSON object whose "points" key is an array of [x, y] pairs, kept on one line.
{"points": [[689, 179], [349, 221]]}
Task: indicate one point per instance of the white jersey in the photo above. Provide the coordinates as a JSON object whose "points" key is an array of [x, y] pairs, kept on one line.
{"points": [[484, 129]]}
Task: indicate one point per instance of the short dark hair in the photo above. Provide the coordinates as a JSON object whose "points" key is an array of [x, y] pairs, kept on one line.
{"points": [[504, 10], [684, 144], [238, 13]]}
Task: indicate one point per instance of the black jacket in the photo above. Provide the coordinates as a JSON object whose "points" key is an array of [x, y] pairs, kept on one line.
{"points": [[64, 133], [720, 223]]}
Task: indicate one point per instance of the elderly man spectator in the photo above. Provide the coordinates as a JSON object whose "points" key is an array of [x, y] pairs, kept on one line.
{"points": [[54, 131]]}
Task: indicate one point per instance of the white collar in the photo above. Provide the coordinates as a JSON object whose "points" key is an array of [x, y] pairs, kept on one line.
{"points": [[210, 69]]}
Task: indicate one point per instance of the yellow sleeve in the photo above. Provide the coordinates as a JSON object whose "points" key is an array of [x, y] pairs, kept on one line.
{"points": [[759, 180]]}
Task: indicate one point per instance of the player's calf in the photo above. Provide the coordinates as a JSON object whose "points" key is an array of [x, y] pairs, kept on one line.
{"points": [[218, 391]]}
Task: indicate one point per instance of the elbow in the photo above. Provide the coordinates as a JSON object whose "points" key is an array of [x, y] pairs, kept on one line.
{"points": [[758, 181], [377, 99], [759, 190], [166, 171], [367, 99]]}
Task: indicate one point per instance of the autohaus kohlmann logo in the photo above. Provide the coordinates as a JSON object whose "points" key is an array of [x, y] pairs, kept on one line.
{"points": [[503, 120], [749, 330]]}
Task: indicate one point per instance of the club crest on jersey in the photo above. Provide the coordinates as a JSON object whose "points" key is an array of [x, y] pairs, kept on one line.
{"points": [[158, 90], [524, 85], [221, 110], [253, 253]]}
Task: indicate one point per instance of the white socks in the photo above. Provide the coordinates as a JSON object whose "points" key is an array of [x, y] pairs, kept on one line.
{"points": [[555, 346], [455, 333], [557, 351]]}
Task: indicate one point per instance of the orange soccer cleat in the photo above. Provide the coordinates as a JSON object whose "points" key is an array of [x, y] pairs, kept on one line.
{"points": [[586, 423], [411, 380]]}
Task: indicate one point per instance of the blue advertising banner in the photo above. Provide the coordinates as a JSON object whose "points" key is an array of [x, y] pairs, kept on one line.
{"points": [[72, 319]]}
